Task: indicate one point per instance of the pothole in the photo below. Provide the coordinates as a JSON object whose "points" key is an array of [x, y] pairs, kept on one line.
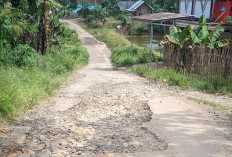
{"points": [[90, 41]]}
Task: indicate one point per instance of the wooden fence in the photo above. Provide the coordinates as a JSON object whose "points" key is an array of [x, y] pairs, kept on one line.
{"points": [[201, 61]]}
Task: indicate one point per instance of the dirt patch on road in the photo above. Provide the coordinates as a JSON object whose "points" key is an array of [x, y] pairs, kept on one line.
{"points": [[112, 117]]}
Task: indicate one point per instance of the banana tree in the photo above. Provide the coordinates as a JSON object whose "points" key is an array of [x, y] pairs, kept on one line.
{"points": [[188, 38], [202, 35], [181, 39], [46, 6]]}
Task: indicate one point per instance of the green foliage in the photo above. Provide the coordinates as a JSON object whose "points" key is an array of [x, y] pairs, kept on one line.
{"points": [[229, 22], [108, 35], [69, 4], [96, 15], [111, 5], [121, 57], [27, 77], [124, 17], [164, 6], [219, 106], [121, 47], [29, 22], [12, 26], [21, 55], [85, 11], [200, 36], [173, 78], [184, 40], [99, 14], [209, 38]]}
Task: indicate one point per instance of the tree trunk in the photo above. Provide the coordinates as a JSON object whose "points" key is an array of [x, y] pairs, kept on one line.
{"points": [[42, 31]]}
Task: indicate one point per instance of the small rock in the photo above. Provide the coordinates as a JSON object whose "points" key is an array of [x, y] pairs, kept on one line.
{"points": [[125, 145], [42, 137], [79, 152]]}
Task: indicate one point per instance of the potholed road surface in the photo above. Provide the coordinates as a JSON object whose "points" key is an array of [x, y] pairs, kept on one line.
{"points": [[108, 113]]}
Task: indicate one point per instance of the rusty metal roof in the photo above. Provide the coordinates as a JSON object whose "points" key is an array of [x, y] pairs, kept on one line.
{"points": [[160, 17]]}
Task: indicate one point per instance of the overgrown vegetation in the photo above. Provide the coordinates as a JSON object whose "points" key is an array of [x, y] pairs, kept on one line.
{"points": [[164, 5], [27, 30], [26, 77], [187, 39], [96, 14], [229, 23], [121, 57], [121, 47], [196, 82]]}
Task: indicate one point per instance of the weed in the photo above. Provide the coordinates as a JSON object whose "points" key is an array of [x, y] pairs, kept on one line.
{"points": [[173, 78], [218, 106]]}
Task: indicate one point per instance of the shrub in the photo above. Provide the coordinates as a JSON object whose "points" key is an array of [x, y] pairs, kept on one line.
{"points": [[27, 77], [21, 55], [122, 56], [5, 104], [124, 17]]}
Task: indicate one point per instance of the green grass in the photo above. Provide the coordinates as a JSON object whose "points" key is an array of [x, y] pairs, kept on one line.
{"points": [[119, 46], [218, 106], [173, 78], [121, 57], [37, 77]]}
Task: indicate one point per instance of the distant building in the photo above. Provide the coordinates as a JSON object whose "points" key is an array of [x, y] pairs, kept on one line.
{"points": [[215, 10], [91, 5], [136, 7]]}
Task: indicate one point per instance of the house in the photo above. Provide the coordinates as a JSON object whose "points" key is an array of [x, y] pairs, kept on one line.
{"points": [[136, 7], [214, 10]]}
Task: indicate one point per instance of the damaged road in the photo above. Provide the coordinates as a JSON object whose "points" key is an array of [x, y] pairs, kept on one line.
{"points": [[106, 112]]}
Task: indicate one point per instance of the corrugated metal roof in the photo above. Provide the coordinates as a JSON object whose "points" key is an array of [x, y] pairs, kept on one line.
{"points": [[160, 16], [135, 5], [131, 5], [124, 5]]}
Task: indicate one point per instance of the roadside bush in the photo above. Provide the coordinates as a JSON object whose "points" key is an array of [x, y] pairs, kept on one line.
{"points": [[27, 77], [21, 55], [5, 104], [124, 17], [122, 56], [97, 15]]}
